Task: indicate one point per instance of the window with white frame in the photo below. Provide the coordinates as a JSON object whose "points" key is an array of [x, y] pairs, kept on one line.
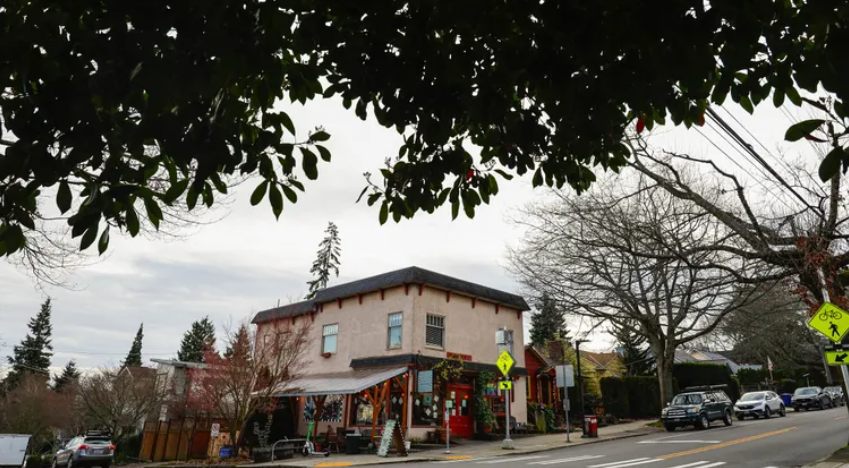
{"points": [[435, 331], [396, 321], [328, 338]]}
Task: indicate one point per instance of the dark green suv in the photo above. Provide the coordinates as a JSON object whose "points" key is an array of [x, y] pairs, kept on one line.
{"points": [[697, 406]]}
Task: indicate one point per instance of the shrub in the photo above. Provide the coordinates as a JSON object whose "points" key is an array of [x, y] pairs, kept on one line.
{"points": [[695, 374], [34, 461], [631, 397], [615, 396]]}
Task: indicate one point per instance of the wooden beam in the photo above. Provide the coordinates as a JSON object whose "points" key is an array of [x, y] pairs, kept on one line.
{"points": [[519, 314], [312, 315], [360, 298], [376, 407], [406, 289], [474, 302], [381, 294], [421, 288], [448, 296], [339, 302], [406, 398], [497, 308]]}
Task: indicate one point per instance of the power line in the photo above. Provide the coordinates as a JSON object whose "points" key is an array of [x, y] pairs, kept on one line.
{"points": [[94, 353], [749, 149], [779, 160]]}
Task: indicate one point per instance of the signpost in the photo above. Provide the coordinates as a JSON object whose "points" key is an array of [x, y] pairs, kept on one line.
{"points": [[564, 376], [505, 363]]}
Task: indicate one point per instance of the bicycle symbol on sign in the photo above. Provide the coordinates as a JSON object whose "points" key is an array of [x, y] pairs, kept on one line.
{"points": [[830, 314]]}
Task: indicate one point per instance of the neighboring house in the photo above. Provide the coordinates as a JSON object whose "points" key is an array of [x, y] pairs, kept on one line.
{"points": [[375, 341], [180, 433], [602, 365], [140, 375], [711, 357]]}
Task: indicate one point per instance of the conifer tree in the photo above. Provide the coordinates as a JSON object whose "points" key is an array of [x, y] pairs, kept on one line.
{"points": [[199, 338], [35, 351], [239, 346], [134, 357], [327, 260], [70, 374], [548, 323], [635, 355]]}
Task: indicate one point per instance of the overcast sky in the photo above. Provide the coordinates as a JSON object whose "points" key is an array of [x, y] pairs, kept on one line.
{"points": [[248, 261]]}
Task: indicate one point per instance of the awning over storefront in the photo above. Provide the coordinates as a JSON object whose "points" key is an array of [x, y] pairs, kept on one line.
{"points": [[340, 383]]}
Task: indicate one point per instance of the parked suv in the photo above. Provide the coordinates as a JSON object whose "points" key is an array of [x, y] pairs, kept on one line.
{"points": [[810, 398], [759, 404], [698, 407], [85, 451], [836, 394]]}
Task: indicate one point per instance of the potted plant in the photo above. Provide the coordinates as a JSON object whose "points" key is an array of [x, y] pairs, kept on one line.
{"points": [[319, 443], [483, 412]]}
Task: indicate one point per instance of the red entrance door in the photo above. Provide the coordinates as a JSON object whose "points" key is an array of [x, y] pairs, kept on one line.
{"points": [[461, 414]]}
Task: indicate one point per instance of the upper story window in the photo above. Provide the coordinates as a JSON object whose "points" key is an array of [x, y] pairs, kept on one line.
{"points": [[328, 338], [435, 331], [396, 321], [504, 338]]}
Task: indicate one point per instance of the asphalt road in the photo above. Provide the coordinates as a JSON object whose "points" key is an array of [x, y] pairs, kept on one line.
{"points": [[795, 440]]}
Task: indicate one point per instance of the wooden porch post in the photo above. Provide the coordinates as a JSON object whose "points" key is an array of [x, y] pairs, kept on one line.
{"points": [[319, 409]]}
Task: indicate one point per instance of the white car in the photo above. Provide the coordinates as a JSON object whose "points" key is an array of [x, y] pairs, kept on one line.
{"points": [[759, 404]]}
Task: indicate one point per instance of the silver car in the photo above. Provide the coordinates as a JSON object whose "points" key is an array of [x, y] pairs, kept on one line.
{"points": [[759, 405], [85, 451]]}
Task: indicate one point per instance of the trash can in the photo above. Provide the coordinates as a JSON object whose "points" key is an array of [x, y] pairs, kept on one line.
{"points": [[787, 398], [590, 426], [352, 444]]}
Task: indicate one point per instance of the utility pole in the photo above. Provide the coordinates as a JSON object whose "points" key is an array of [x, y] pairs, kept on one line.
{"points": [[580, 383]]}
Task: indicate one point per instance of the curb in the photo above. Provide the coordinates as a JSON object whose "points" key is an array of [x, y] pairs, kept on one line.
{"points": [[624, 435]]}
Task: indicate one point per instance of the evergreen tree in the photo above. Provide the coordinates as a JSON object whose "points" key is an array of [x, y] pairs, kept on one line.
{"points": [[34, 353], [327, 260], [134, 357], [69, 375], [635, 355], [548, 323], [199, 338], [239, 344]]}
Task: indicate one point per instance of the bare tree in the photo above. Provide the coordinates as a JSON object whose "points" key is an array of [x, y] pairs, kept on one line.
{"points": [[627, 254], [121, 400], [32, 408], [799, 227], [234, 387]]}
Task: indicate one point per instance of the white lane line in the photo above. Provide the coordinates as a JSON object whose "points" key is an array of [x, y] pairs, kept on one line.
{"points": [[679, 442], [462, 460], [512, 459], [690, 465], [712, 465], [624, 463], [567, 460]]}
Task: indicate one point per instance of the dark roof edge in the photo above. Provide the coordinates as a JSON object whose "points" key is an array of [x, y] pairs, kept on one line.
{"points": [[400, 359]]}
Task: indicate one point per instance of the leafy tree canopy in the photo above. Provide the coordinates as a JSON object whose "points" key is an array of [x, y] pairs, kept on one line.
{"points": [[128, 106]]}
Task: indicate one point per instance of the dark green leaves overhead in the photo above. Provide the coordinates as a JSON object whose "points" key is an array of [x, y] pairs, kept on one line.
{"points": [[198, 91], [802, 129]]}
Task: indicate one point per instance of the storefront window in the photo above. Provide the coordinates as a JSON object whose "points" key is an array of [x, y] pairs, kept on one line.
{"points": [[363, 412], [427, 409], [331, 412]]}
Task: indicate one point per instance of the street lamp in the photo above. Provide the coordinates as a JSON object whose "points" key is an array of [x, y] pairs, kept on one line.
{"points": [[808, 379], [580, 382]]}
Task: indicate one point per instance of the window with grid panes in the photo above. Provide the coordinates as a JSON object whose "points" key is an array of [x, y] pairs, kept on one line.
{"points": [[395, 322], [328, 338], [435, 331]]}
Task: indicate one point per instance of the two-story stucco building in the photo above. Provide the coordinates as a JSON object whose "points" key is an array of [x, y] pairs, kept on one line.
{"points": [[374, 343]]}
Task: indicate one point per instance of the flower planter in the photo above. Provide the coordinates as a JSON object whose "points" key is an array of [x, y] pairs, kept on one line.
{"points": [[263, 454], [326, 355]]}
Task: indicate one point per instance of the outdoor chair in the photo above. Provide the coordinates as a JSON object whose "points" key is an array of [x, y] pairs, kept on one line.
{"points": [[332, 440]]}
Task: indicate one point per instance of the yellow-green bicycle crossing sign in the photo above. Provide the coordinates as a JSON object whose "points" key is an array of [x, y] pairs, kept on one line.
{"points": [[831, 321]]}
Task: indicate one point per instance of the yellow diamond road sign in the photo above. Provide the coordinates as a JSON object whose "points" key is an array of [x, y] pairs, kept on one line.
{"points": [[505, 385], [505, 362], [831, 321]]}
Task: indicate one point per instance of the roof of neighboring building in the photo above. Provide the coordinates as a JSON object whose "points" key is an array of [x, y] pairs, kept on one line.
{"points": [[683, 356], [600, 360], [410, 275], [176, 363], [140, 372]]}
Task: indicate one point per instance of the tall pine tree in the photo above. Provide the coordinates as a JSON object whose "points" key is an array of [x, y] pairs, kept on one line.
{"points": [[548, 323], [326, 261], [635, 355], [196, 341], [34, 353], [239, 344], [70, 374], [134, 357]]}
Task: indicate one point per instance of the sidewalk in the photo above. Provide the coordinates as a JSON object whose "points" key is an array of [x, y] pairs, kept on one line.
{"points": [[838, 459], [473, 449]]}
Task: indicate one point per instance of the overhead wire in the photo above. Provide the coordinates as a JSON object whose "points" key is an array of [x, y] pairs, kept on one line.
{"points": [[758, 141], [94, 353]]}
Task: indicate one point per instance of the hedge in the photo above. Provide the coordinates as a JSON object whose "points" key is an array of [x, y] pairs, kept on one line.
{"points": [[631, 397], [695, 374]]}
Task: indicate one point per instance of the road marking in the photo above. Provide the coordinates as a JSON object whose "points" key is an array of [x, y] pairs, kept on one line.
{"points": [[689, 465], [712, 465], [513, 459], [726, 444], [659, 441], [622, 464], [566, 460], [839, 418], [333, 464], [462, 458]]}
